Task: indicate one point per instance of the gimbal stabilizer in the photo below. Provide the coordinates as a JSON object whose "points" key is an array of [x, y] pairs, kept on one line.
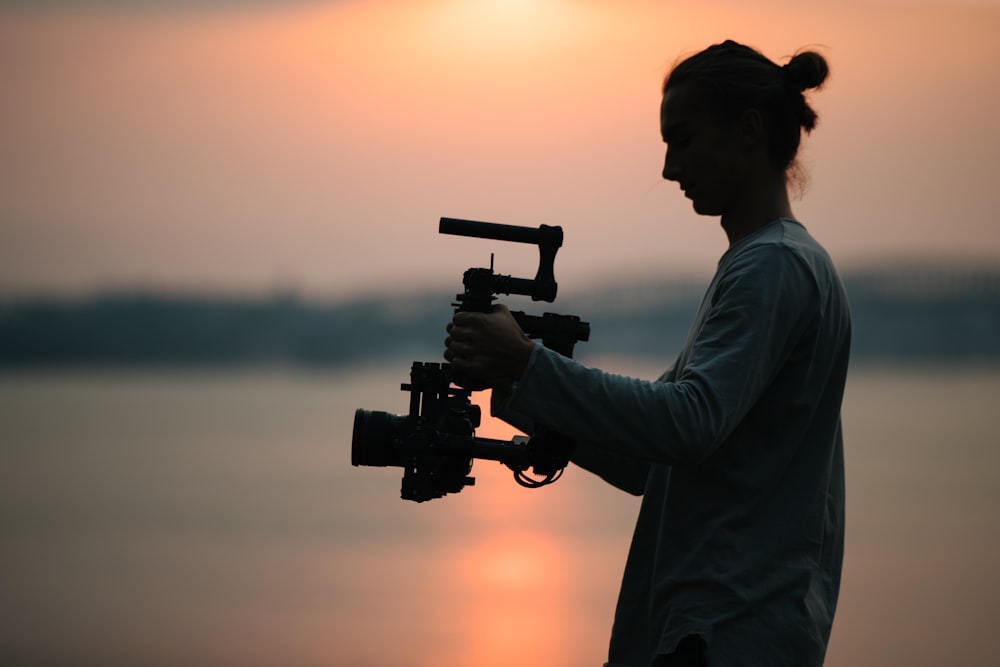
{"points": [[435, 443]]}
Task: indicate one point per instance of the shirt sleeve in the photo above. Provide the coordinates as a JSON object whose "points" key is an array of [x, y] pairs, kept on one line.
{"points": [[624, 473], [758, 308]]}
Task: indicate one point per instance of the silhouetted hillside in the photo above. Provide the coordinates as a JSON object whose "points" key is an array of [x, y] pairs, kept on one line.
{"points": [[899, 315], [147, 329]]}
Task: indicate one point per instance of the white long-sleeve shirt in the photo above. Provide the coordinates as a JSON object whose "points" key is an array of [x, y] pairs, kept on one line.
{"points": [[738, 453]]}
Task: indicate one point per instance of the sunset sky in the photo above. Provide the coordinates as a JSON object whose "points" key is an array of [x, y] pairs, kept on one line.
{"points": [[248, 147]]}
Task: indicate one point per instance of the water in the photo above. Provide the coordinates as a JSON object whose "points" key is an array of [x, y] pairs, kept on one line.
{"points": [[214, 519]]}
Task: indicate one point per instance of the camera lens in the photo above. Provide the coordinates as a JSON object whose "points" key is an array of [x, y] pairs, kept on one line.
{"points": [[375, 438]]}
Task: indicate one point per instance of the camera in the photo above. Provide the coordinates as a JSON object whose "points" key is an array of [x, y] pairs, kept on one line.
{"points": [[435, 442]]}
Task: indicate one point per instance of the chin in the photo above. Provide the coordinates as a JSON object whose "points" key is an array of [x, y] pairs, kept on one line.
{"points": [[706, 208]]}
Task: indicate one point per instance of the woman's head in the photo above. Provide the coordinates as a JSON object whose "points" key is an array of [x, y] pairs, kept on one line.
{"points": [[731, 79]]}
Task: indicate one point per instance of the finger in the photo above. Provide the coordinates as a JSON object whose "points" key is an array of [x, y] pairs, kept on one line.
{"points": [[462, 333], [453, 351], [456, 348], [465, 318]]}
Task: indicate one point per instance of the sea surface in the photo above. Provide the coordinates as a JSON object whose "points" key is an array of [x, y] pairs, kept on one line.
{"points": [[213, 519]]}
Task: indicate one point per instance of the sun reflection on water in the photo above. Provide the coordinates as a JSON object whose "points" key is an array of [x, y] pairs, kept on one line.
{"points": [[517, 593], [515, 576]]}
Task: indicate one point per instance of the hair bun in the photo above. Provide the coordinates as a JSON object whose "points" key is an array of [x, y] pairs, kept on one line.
{"points": [[805, 70]]}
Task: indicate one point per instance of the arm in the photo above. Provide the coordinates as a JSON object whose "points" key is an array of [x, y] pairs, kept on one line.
{"points": [[627, 474], [757, 312]]}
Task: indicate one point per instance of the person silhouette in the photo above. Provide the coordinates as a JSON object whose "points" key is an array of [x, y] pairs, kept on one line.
{"points": [[737, 448]]}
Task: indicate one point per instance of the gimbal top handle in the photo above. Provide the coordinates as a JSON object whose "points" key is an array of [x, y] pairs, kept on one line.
{"points": [[548, 239]]}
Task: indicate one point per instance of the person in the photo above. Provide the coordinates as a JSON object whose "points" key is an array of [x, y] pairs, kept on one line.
{"points": [[737, 448]]}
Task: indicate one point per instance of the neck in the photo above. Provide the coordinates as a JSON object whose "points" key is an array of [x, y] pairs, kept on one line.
{"points": [[761, 204]]}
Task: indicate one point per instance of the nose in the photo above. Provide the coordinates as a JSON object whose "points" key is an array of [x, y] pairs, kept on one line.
{"points": [[671, 172]]}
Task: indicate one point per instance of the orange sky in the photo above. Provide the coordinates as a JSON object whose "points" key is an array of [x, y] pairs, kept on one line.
{"points": [[314, 146]]}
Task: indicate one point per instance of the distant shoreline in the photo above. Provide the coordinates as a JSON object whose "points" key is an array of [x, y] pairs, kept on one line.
{"points": [[910, 315]]}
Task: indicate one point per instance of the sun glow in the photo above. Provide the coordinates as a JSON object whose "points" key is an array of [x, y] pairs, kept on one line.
{"points": [[507, 28], [518, 586]]}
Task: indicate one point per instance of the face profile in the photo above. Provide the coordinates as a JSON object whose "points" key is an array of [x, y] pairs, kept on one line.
{"points": [[703, 155]]}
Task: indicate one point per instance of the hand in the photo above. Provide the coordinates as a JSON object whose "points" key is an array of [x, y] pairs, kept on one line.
{"points": [[489, 347]]}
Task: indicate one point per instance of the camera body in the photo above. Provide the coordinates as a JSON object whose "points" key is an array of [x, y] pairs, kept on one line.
{"points": [[426, 443], [435, 443]]}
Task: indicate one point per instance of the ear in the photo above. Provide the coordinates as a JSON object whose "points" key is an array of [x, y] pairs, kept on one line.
{"points": [[751, 129]]}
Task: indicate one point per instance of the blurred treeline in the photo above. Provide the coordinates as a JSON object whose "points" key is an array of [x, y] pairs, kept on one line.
{"points": [[900, 315]]}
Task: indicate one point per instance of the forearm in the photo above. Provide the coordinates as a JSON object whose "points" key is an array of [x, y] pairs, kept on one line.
{"points": [[630, 419], [629, 475]]}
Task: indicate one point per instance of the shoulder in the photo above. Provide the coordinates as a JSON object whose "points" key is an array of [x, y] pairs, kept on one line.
{"points": [[783, 247], [775, 265], [771, 251]]}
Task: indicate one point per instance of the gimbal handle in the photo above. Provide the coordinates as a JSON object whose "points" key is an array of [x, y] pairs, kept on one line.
{"points": [[481, 284]]}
